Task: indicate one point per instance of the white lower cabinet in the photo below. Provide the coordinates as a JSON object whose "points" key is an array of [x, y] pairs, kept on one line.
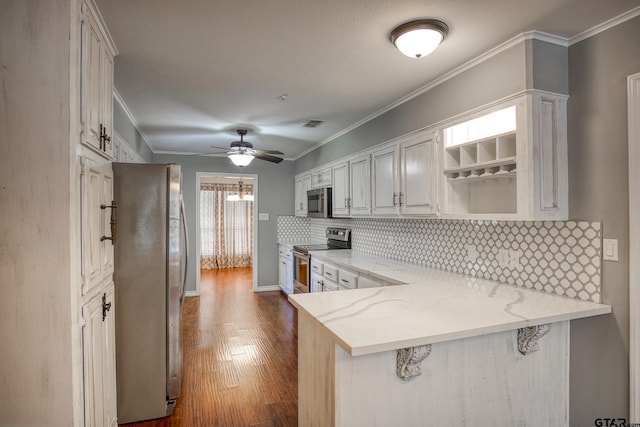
{"points": [[285, 269], [316, 283], [98, 336]]}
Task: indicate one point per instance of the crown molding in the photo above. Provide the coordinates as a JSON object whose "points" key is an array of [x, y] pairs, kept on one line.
{"points": [[529, 35], [630, 14], [120, 100]]}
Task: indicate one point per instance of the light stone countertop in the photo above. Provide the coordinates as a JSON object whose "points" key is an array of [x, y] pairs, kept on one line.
{"points": [[434, 306]]}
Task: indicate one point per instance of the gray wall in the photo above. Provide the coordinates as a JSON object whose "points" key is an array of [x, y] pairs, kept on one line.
{"points": [[504, 74], [128, 131], [275, 197], [39, 270], [598, 183]]}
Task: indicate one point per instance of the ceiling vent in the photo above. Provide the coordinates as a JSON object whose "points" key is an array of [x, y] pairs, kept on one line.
{"points": [[313, 123]]}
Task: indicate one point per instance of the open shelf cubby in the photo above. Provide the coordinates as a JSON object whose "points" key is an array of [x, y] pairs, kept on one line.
{"points": [[489, 157], [482, 176]]}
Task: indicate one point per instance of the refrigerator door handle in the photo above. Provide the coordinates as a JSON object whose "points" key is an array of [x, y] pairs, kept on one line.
{"points": [[186, 250]]}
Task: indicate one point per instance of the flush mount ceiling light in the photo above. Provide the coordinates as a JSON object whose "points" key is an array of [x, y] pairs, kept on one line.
{"points": [[420, 37]]}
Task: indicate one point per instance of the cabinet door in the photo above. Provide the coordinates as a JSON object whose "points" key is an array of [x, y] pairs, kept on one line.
{"points": [[106, 100], [98, 337], [340, 195], [91, 75], [384, 164], [96, 74], [282, 273], [360, 189], [97, 255], [418, 177], [302, 185], [306, 186]]}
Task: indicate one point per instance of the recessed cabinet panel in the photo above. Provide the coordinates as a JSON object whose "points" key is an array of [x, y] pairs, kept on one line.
{"points": [[384, 164], [340, 195], [96, 90], [97, 253], [302, 185], [360, 194], [417, 177], [98, 337]]}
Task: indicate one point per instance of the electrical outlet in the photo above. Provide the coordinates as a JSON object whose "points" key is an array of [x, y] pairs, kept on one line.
{"points": [[471, 254], [503, 258], [514, 259]]}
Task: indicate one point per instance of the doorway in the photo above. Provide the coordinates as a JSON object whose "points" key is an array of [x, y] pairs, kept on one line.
{"points": [[226, 223]]}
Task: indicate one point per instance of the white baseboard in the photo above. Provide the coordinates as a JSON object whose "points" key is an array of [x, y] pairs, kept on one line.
{"points": [[268, 288], [188, 294]]}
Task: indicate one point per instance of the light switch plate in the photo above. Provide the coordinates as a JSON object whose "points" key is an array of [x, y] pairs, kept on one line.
{"points": [[610, 249], [263, 217], [503, 258]]}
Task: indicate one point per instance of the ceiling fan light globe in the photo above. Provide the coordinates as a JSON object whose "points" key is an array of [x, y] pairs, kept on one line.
{"points": [[241, 159]]}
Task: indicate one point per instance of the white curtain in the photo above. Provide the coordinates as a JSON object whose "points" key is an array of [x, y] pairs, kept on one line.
{"points": [[226, 227]]}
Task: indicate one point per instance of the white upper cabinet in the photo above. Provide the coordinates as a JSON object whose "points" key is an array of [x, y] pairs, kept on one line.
{"points": [[352, 187], [385, 182], [404, 178], [418, 178], [321, 178], [360, 186], [340, 194], [302, 185], [96, 76], [509, 162]]}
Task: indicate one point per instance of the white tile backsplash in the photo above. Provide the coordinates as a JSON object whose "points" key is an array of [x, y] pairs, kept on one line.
{"points": [[559, 257]]}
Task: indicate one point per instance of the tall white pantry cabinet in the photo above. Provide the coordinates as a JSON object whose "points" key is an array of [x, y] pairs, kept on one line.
{"points": [[98, 227]]}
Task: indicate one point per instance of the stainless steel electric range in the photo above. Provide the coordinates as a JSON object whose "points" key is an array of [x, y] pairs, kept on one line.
{"points": [[337, 238]]}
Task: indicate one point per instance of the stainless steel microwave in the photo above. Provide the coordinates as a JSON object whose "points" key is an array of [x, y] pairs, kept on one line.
{"points": [[319, 203]]}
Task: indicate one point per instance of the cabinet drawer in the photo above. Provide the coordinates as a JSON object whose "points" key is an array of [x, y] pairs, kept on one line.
{"points": [[285, 252], [317, 267], [330, 272], [347, 279], [329, 285]]}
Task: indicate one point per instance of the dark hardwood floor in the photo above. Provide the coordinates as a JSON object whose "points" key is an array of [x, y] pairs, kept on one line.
{"points": [[240, 356]]}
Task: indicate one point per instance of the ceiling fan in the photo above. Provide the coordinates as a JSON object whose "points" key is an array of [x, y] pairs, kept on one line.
{"points": [[241, 153]]}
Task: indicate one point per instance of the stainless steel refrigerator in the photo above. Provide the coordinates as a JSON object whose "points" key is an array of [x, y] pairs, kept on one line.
{"points": [[150, 274]]}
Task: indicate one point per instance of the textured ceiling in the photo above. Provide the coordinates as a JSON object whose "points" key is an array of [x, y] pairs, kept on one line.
{"points": [[193, 71]]}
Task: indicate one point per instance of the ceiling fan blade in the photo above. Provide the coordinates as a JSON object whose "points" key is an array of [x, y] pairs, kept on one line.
{"points": [[268, 158], [279, 153], [220, 148]]}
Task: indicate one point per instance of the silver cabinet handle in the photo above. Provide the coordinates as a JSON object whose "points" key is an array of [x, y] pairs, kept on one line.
{"points": [[401, 201], [394, 199]]}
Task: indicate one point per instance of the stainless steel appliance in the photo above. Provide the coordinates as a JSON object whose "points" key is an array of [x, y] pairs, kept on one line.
{"points": [[319, 203], [337, 238], [150, 273]]}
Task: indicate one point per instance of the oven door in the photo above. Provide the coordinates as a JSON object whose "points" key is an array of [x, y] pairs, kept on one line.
{"points": [[300, 272]]}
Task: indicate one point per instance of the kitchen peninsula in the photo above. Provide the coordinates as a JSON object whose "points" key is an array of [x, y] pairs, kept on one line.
{"points": [[442, 349]]}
